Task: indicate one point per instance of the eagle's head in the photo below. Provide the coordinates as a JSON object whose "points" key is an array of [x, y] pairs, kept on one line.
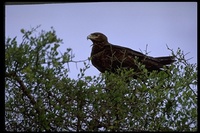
{"points": [[98, 37]]}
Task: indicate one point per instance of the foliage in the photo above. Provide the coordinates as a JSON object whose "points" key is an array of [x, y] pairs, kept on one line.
{"points": [[39, 95]]}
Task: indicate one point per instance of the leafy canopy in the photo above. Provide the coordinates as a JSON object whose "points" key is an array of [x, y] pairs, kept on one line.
{"points": [[40, 96]]}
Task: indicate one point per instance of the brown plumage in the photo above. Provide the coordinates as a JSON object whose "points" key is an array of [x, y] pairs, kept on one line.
{"points": [[108, 57]]}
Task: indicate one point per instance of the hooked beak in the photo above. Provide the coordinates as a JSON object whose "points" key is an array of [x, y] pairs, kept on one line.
{"points": [[89, 37]]}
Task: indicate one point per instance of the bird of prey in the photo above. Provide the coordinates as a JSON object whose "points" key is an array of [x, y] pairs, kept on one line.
{"points": [[108, 57]]}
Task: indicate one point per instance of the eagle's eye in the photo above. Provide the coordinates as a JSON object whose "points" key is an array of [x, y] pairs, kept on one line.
{"points": [[96, 35]]}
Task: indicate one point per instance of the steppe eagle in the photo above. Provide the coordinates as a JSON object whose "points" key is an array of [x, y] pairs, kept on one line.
{"points": [[108, 57]]}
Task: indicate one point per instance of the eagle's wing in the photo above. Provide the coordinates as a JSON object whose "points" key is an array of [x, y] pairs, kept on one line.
{"points": [[128, 56], [110, 57]]}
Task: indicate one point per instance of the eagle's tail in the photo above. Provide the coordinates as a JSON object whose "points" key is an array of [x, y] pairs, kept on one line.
{"points": [[165, 60]]}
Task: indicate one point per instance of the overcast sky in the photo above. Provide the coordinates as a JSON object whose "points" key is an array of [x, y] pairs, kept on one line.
{"points": [[129, 24]]}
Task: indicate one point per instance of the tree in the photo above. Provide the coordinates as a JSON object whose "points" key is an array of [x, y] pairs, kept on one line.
{"points": [[40, 96]]}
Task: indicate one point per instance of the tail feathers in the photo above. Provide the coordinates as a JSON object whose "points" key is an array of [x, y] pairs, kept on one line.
{"points": [[165, 60]]}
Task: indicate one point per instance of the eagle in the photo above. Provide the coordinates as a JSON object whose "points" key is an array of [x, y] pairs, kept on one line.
{"points": [[109, 57]]}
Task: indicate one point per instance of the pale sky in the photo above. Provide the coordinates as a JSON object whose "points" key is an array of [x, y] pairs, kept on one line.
{"points": [[129, 24]]}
